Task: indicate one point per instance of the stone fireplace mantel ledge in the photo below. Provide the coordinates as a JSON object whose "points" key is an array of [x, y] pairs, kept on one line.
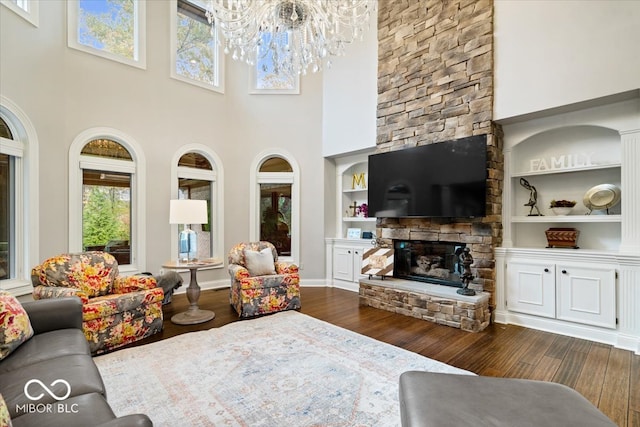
{"points": [[427, 288]]}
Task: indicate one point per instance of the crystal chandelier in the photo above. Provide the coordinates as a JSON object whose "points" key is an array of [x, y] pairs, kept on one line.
{"points": [[291, 35]]}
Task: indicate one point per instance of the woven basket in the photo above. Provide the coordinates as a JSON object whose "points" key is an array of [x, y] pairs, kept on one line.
{"points": [[562, 237]]}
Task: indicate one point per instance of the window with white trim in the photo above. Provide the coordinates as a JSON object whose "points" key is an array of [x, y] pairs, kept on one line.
{"points": [[26, 9], [197, 175], [275, 208], [112, 29], [105, 191], [196, 54], [18, 199], [10, 154]]}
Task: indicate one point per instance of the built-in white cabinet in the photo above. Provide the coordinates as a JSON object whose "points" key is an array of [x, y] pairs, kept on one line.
{"points": [[592, 292], [347, 262], [566, 291], [344, 261]]}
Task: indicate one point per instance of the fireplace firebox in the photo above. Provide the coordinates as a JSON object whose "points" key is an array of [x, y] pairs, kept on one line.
{"points": [[426, 261]]}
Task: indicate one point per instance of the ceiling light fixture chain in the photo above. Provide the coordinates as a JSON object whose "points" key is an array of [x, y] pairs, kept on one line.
{"points": [[295, 35]]}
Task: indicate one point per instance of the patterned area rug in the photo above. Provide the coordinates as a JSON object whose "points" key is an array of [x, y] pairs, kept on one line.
{"points": [[286, 369]]}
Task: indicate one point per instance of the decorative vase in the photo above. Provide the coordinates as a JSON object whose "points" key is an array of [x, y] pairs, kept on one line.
{"points": [[561, 211]]}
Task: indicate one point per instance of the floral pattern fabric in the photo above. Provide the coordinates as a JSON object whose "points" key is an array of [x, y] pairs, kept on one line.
{"points": [[254, 296], [115, 310], [15, 327], [5, 418]]}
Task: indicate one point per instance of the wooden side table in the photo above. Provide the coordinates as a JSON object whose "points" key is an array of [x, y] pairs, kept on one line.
{"points": [[194, 314]]}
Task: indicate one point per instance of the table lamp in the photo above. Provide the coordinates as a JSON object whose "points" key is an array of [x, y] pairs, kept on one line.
{"points": [[187, 211]]}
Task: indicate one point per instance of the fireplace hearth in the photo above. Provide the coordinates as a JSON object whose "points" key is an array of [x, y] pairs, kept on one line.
{"points": [[431, 262]]}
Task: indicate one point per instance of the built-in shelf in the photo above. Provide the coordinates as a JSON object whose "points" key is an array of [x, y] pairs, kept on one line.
{"points": [[357, 219], [567, 218], [355, 190], [568, 170]]}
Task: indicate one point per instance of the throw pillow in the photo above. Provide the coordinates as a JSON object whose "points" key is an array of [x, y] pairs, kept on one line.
{"points": [[15, 327], [260, 263], [5, 418]]}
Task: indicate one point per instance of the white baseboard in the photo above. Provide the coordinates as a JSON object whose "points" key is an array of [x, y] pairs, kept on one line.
{"points": [[585, 332]]}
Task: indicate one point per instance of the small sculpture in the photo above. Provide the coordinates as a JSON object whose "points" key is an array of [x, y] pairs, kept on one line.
{"points": [[533, 197], [466, 260]]}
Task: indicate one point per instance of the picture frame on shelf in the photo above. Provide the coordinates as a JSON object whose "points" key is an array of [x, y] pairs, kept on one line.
{"points": [[354, 233]]}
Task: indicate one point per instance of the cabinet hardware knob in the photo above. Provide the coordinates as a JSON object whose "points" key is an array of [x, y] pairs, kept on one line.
{"points": [[546, 270], [564, 271], [348, 252]]}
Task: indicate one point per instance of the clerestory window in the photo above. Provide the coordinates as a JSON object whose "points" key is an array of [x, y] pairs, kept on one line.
{"points": [[26, 9], [196, 56], [112, 29]]}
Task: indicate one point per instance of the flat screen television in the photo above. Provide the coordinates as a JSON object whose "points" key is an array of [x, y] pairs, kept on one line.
{"points": [[444, 179]]}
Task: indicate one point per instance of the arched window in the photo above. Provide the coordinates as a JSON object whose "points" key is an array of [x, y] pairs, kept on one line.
{"points": [[197, 175], [18, 199], [275, 202], [106, 194]]}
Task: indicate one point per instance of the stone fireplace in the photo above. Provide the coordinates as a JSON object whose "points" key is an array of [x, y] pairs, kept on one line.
{"points": [[435, 83]]}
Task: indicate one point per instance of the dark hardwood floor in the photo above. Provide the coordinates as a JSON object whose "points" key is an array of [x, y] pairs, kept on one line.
{"points": [[608, 377]]}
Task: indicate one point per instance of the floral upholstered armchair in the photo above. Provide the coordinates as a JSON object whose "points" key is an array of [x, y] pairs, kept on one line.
{"points": [[116, 310], [260, 284]]}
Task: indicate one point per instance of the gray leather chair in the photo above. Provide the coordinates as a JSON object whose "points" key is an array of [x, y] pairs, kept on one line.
{"points": [[434, 399]]}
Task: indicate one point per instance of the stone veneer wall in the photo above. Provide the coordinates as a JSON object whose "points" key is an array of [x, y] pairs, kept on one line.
{"points": [[435, 83]]}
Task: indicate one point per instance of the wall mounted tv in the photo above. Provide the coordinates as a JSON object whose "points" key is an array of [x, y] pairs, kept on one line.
{"points": [[444, 179]]}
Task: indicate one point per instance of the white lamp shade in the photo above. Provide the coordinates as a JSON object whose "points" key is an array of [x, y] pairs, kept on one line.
{"points": [[186, 211]]}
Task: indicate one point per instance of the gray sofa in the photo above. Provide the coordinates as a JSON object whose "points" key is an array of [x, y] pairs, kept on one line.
{"points": [[442, 400], [52, 363]]}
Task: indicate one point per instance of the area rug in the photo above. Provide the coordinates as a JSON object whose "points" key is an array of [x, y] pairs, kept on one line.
{"points": [[286, 369]]}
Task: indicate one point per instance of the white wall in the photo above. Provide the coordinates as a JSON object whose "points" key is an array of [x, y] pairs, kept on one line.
{"points": [[350, 96], [554, 53], [65, 92]]}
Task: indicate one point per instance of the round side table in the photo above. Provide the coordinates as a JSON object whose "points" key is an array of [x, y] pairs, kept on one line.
{"points": [[194, 314]]}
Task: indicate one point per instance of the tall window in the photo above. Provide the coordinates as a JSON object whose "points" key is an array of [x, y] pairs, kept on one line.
{"points": [[198, 174], [113, 29], [27, 9], [105, 181], [195, 51], [276, 216], [7, 206], [18, 198]]}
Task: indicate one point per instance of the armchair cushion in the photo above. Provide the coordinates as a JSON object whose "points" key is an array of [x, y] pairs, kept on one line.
{"points": [[15, 327], [260, 263], [92, 273]]}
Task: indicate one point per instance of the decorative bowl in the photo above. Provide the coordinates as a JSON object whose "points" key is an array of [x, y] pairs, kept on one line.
{"points": [[561, 211]]}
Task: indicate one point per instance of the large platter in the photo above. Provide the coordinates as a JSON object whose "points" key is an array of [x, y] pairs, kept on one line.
{"points": [[603, 196]]}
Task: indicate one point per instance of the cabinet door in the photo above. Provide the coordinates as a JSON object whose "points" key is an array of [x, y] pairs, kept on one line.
{"points": [[343, 263], [357, 264], [587, 295], [531, 288]]}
